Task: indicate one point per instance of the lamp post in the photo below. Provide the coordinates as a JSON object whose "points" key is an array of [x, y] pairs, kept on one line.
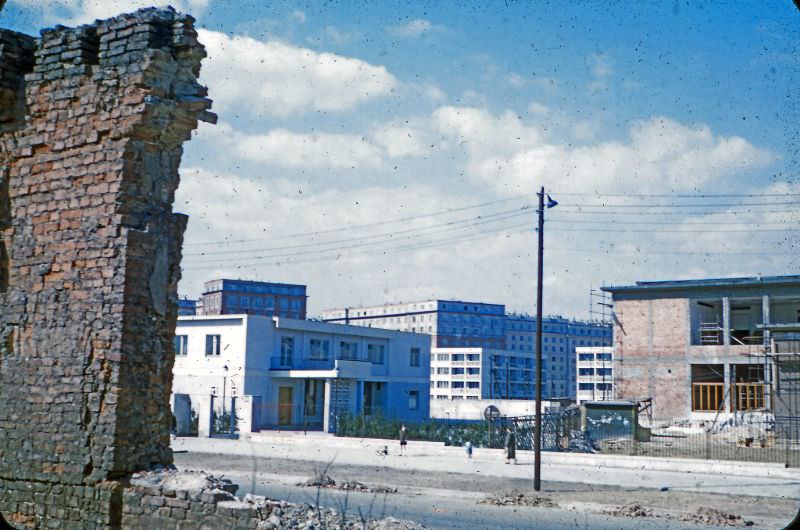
{"points": [[224, 383], [537, 433]]}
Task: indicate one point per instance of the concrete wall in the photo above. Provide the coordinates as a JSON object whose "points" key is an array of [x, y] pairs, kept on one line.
{"points": [[473, 409]]}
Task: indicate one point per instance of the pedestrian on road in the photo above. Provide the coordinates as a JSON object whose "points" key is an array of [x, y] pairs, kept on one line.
{"points": [[468, 446], [403, 435], [511, 446]]}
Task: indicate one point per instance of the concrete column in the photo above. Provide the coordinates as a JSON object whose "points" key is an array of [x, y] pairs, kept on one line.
{"points": [[727, 373], [726, 321], [204, 407], [765, 317], [326, 408]]}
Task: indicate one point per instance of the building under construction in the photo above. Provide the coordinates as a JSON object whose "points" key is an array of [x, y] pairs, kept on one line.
{"points": [[711, 350]]}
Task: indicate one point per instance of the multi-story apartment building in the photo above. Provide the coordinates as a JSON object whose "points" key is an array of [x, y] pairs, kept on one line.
{"points": [[225, 297], [595, 373], [290, 374], [560, 338], [707, 349], [503, 344], [451, 323]]}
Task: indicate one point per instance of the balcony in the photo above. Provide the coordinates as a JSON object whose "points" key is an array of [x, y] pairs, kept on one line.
{"points": [[311, 367]]}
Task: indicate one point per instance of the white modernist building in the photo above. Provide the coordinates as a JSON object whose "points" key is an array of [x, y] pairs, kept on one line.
{"points": [[279, 373], [595, 373], [481, 373]]}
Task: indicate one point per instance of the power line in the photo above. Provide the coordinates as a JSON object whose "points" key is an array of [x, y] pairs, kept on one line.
{"points": [[368, 225], [391, 240], [673, 205], [507, 214], [677, 196]]}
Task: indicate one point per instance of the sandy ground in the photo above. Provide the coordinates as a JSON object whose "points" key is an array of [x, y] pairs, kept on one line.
{"points": [[285, 461]]}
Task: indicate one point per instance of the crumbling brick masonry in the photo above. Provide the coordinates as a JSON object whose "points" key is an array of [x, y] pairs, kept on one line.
{"points": [[92, 121]]}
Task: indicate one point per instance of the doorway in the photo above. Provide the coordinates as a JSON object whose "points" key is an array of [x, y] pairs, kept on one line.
{"points": [[284, 405]]}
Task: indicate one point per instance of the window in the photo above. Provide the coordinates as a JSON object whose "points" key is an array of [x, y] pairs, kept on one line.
{"points": [[606, 372], [442, 384], [585, 371], [604, 356], [181, 344], [458, 357], [212, 344], [318, 349], [585, 386], [473, 371], [348, 350], [473, 357], [413, 399], [458, 371], [413, 359], [442, 356], [458, 384], [585, 356], [287, 350], [443, 371], [473, 384], [376, 353]]}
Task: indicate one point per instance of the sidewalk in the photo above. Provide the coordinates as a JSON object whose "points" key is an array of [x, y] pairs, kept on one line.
{"points": [[769, 480]]}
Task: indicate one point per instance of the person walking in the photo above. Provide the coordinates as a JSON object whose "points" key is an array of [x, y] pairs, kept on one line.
{"points": [[403, 435], [511, 446], [468, 447]]}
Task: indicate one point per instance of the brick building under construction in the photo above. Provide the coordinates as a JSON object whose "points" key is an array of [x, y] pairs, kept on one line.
{"points": [[707, 350]]}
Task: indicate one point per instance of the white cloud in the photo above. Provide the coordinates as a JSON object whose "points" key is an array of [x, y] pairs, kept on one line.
{"points": [[538, 108], [277, 78], [283, 148], [660, 154], [412, 28], [75, 12], [298, 15], [402, 140]]}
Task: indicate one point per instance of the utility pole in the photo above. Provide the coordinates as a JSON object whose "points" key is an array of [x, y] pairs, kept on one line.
{"points": [[537, 433]]}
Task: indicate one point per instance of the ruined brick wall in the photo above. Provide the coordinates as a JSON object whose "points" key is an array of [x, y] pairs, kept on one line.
{"points": [[92, 120], [651, 341]]}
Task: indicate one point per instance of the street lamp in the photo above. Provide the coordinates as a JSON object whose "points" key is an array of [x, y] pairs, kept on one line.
{"points": [[537, 434], [224, 383]]}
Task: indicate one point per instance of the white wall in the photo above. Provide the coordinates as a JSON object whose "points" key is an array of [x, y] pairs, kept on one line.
{"points": [[473, 409]]}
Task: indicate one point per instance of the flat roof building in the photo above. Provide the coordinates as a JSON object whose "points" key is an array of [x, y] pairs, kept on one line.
{"points": [[226, 297], [704, 349], [295, 374]]}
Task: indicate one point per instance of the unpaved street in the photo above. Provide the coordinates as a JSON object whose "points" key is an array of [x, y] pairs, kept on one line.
{"points": [[451, 500]]}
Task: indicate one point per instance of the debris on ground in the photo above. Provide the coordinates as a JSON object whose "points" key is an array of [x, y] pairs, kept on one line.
{"points": [[630, 510], [282, 514], [325, 481], [516, 498], [712, 516]]}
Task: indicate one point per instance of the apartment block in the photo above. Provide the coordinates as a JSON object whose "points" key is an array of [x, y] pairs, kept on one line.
{"points": [[709, 348], [225, 297], [595, 373], [450, 323]]}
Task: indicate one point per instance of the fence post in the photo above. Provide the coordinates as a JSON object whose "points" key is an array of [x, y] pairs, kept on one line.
{"points": [[708, 445]]}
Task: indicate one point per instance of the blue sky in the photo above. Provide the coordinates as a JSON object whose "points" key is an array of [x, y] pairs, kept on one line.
{"points": [[348, 128]]}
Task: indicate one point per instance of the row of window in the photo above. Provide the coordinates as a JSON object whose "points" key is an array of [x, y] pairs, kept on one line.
{"points": [[591, 371], [594, 386], [318, 349], [455, 371], [445, 397], [592, 356]]}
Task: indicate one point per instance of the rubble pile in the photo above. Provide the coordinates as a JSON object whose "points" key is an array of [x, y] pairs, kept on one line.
{"points": [[630, 510], [516, 498], [325, 481], [711, 516]]}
